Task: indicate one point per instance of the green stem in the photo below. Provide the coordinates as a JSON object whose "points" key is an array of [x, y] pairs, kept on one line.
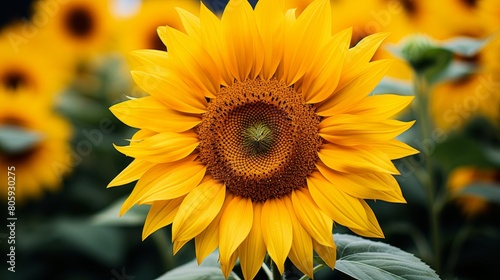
{"points": [[161, 238], [268, 272], [422, 93], [275, 271]]}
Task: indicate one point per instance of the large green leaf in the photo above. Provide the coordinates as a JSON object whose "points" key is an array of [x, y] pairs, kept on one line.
{"points": [[365, 259], [489, 192], [208, 270], [15, 140]]}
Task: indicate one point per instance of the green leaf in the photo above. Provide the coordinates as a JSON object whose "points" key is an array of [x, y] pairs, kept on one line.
{"points": [[395, 86], [487, 191], [365, 259], [456, 70], [15, 140], [465, 46], [111, 215], [208, 270]]}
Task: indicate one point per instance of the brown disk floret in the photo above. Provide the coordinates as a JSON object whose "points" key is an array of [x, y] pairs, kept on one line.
{"points": [[259, 138]]}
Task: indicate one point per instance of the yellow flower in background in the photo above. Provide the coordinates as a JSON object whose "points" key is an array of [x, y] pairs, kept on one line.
{"points": [[257, 135], [445, 18], [41, 165], [489, 11], [453, 103], [79, 28], [370, 17], [139, 30], [464, 176], [24, 65]]}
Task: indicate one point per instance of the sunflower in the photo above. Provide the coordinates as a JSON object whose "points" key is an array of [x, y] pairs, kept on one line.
{"points": [[79, 28], [24, 66], [464, 176], [372, 17], [40, 165], [139, 30], [455, 102], [257, 135]]}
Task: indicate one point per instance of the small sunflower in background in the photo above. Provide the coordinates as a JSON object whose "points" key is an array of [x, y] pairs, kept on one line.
{"points": [[36, 142], [489, 11], [139, 29], [25, 66], [455, 102], [462, 177], [370, 17], [257, 135], [79, 28]]}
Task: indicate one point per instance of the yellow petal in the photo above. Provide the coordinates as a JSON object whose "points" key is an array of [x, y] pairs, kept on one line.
{"points": [[356, 159], [253, 249], [176, 181], [235, 225], [379, 107], [243, 54], [228, 267], [341, 207], [149, 57], [313, 27], [326, 253], [178, 244], [144, 113], [170, 89], [269, 16], [321, 81], [395, 149], [301, 252], [315, 222], [148, 180], [131, 173], [378, 186], [208, 240], [162, 147], [198, 210], [352, 130], [191, 24], [212, 41], [160, 214], [277, 230], [361, 54], [374, 229], [355, 89], [191, 60]]}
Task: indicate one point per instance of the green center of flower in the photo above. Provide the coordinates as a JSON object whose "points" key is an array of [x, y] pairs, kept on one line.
{"points": [[260, 139]]}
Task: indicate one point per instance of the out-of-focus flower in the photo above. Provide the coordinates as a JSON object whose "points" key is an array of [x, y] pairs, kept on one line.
{"points": [[79, 29], [138, 31], [24, 65], [37, 145], [370, 17], [455, 102], [259, 133], [464, 176]]}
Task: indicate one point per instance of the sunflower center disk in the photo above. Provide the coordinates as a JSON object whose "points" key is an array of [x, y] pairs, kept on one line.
{"points": [[260, 139]]}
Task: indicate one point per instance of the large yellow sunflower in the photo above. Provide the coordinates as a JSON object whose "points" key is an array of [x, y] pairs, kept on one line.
{"points": [[42, 165], [257, 135]]}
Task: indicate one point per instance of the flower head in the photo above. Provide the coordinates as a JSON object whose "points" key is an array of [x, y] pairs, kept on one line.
{"points": [[35, 142], [258, 134]]}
